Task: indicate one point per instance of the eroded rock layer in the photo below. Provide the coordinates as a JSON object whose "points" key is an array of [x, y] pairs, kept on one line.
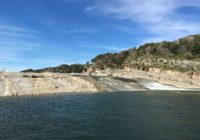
{"points": [[32, 84]]}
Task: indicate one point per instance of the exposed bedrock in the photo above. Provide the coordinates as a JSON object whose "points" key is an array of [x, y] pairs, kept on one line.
{"points": [[180, 79], [32, 83]]}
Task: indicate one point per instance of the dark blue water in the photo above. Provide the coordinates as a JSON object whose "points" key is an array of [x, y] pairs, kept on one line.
{"points": [[108, 116]]}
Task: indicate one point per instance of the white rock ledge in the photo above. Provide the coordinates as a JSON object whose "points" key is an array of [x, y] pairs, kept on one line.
{"points": [[34, 84]]}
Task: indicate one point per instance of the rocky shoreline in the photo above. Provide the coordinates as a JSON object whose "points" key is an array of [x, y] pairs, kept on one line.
{"points": [[14, 84], [183, 80]]}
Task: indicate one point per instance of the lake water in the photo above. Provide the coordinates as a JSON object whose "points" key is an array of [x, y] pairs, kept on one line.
{"points": [[149, 115]]}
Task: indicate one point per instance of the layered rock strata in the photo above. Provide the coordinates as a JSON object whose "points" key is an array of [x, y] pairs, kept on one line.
{"points": [[32, 84], [179, 79]]}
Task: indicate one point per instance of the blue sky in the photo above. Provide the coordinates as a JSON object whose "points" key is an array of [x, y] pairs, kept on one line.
{"points": [[42, 33]]}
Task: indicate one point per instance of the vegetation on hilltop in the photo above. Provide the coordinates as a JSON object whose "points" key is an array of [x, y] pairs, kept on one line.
{"points": [[110, 60], [166, 55], [75, 68], [187, 48]]}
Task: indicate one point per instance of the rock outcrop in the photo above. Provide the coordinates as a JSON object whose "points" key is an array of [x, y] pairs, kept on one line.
{"points": [[176, 62], [32, 84], [184, 80]]}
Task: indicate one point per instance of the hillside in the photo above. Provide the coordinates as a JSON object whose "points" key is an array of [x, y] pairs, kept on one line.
{"points": [[181, 55]]}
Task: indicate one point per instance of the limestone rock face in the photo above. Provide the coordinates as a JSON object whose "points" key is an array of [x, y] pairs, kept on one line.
{"points": [[32, 83], [172, 77], [196, 75]]}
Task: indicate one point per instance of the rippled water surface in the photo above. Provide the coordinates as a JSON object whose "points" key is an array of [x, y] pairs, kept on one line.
{"points": [[107, 116]]}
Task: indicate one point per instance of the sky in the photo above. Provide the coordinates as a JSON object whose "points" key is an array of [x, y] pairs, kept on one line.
{"points": [[43, 33]]}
